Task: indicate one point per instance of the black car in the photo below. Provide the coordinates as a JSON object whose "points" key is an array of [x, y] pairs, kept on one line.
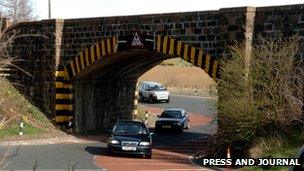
{"points": [[174, 119], [130, 137]]}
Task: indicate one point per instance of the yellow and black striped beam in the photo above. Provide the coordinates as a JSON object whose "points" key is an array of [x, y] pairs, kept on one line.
{"points": [[135, 104], [64, 109], [90, 55], [169, 46]]}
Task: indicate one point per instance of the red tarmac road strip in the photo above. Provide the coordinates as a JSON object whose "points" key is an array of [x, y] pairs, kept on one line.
{"points": [[196, 119], [161, 160], [175, 157]]}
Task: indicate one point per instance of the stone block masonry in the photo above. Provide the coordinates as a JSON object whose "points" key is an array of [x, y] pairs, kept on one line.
{"points": [[47, 46], [98, 103]]}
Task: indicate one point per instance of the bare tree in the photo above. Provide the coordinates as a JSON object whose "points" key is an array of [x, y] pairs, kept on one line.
{"points": [[5, 62], [17, 10]]}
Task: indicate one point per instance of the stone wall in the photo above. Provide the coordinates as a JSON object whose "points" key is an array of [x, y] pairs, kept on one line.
{"points": [[99, 103], [286, 21], [236, 25], [50, 44], [197, 28], [34, 50]]}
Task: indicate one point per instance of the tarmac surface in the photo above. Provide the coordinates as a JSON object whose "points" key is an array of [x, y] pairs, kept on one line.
{"points": [[170, 151]]}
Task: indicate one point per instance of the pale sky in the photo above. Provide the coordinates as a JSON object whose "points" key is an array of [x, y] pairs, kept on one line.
{"points": [[98, 8]]}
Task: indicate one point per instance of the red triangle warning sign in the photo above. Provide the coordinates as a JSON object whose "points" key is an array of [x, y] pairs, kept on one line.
{"points": [[136, 42]]}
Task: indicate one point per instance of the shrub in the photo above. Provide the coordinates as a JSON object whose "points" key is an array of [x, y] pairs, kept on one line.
{"points": [[262, 96]]}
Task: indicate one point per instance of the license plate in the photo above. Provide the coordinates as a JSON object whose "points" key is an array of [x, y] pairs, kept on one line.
{"points": [[166, 126], [129, 148]]}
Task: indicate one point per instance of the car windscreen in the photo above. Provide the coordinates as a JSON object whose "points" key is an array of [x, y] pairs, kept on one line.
{"points": [[157, 88], [126, 128], [171, 114]]}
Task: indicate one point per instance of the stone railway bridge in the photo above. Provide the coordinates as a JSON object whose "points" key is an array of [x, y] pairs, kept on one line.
{"points": [[88, 68]]}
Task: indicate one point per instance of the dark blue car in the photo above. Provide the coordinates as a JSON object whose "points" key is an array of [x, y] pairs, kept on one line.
{"points": [[130, 137], [173, 119]]}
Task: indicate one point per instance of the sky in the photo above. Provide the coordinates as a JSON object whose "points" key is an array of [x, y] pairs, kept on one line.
{"points": [[99, 8]]}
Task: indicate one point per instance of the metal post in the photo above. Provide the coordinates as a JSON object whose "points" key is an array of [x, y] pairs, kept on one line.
{"points": [[146, 117], [50, 16], [21, 126]]}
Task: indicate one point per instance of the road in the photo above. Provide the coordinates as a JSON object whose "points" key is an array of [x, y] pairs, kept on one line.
{"points": [[54, 156], [170, 151], [200, 105], [200, 109]]}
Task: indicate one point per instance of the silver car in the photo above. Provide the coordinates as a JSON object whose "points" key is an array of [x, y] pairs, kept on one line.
{"points": [[153, 92]]}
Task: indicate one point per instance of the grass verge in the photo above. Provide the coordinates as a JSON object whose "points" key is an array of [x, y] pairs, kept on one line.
{"points": [[286, 147], [283, 148], [14, 108], [151, 118], [13, 130], [176, 62]]}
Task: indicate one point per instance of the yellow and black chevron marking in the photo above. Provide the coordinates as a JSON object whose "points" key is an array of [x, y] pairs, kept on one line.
{"points": [[199, 58], [63, 98], [64, 105], [90, 55], [135, 103], [164, 44]]}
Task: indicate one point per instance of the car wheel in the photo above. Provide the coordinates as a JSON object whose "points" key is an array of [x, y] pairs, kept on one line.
{"points": [[151, 99], [149, 156], [181, 129], [157, 130], [109, 152], [168, 101]]}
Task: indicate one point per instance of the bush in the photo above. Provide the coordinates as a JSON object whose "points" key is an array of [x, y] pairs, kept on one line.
{"points": [[262, 96]]}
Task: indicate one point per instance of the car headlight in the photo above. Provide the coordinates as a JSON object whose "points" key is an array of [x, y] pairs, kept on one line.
{"points": [[114, 142], [144, 143]]}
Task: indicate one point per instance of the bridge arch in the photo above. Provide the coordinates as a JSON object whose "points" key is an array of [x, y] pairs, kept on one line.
{"points": [[122, 59]]}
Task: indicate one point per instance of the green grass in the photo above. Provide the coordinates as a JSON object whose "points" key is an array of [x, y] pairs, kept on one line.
{"points": [[13, 130], [14, 106], [37, 114], [176, 62], [151, 118], [282, 151], [287, 148]]}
